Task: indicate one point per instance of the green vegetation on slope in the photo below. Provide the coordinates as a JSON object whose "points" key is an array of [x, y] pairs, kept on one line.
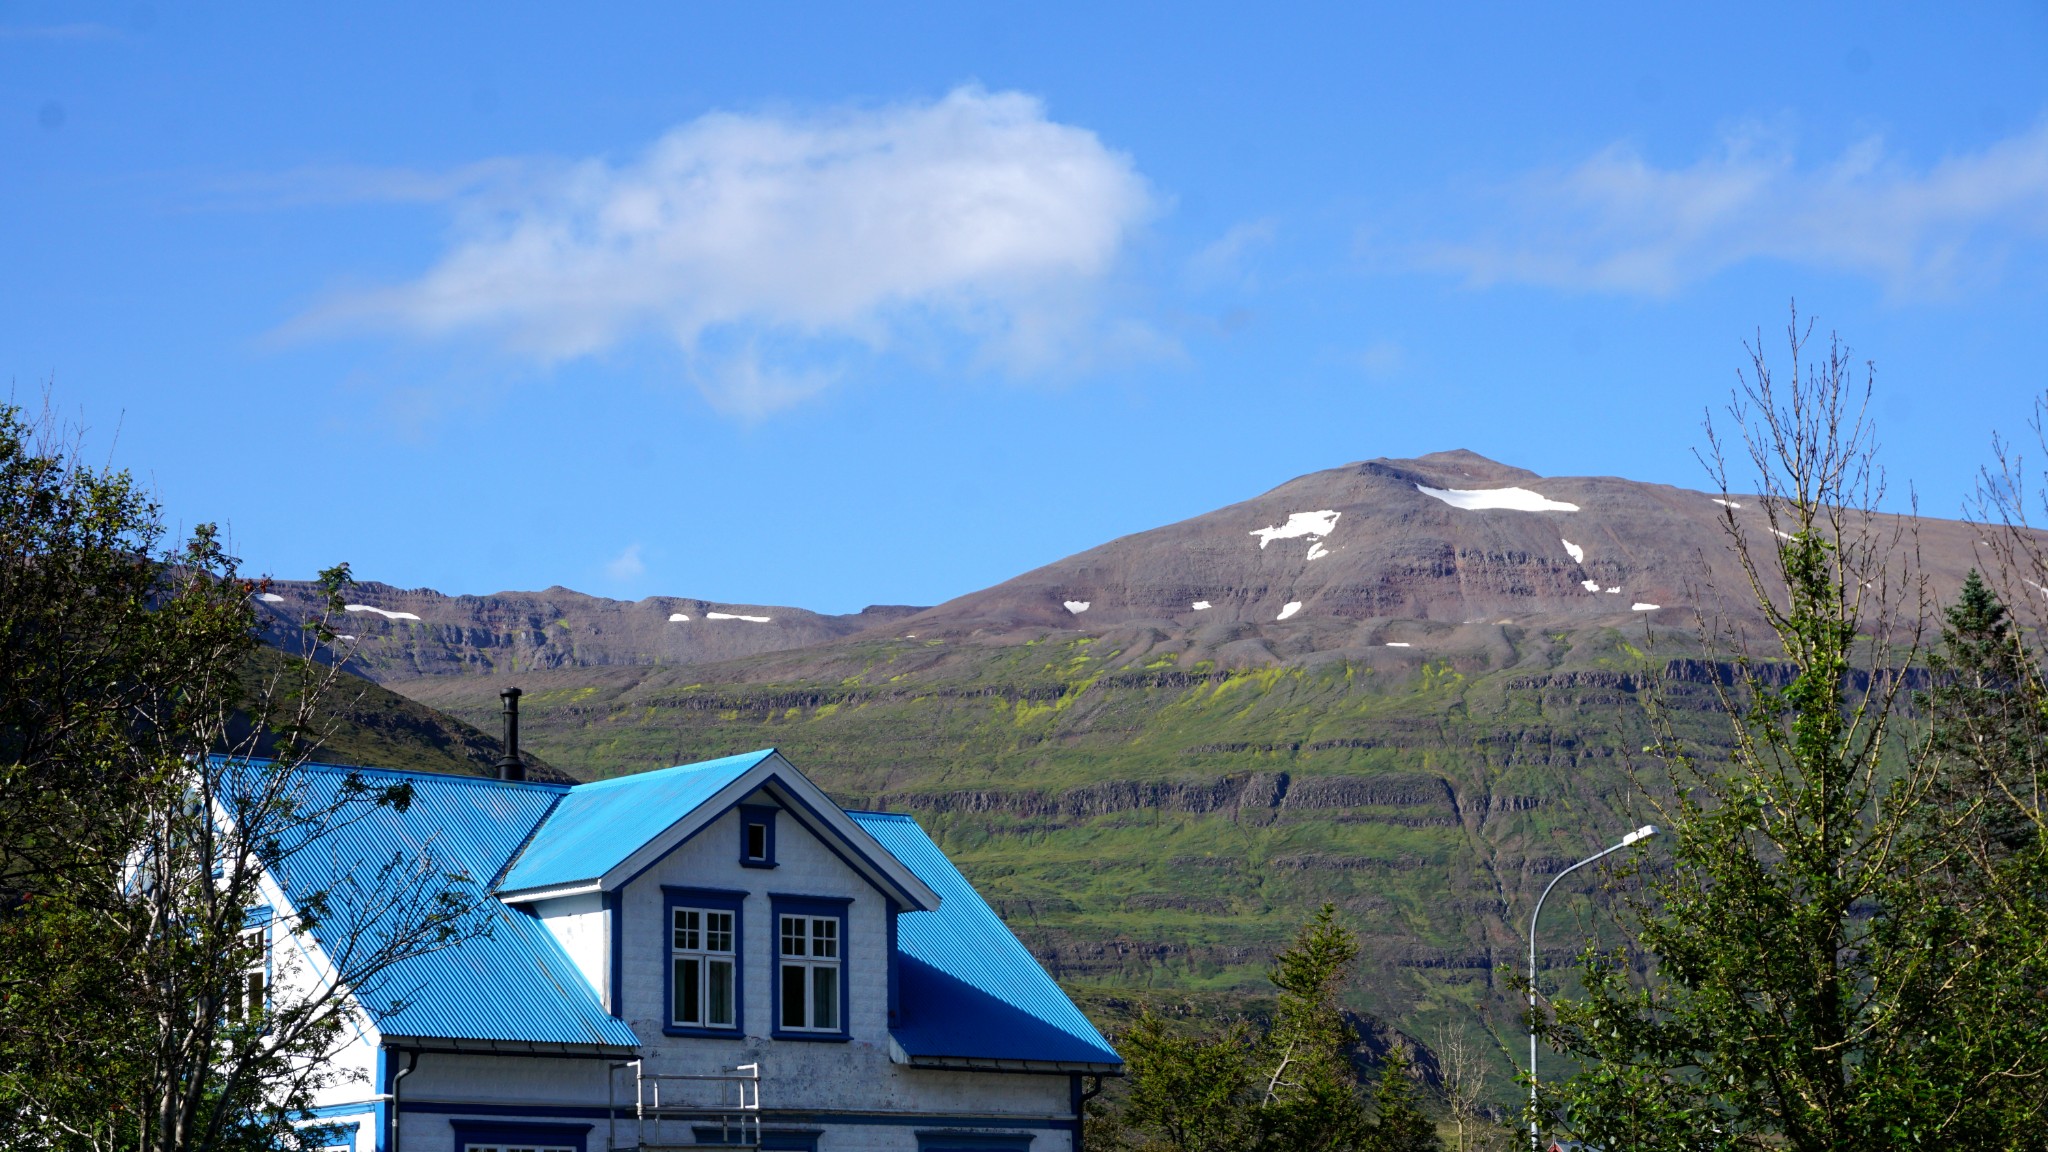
{"points": [[1154, 828]]}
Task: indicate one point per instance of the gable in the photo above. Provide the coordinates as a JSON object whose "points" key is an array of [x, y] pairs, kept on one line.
{"points": [[602, 835], [598, 825]]}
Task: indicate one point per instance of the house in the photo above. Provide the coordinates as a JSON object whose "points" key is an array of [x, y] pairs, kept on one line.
{"points": [[710, 954]]}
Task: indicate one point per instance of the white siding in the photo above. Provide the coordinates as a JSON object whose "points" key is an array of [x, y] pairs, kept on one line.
{"points": [[299, 971], [579, 924], [855, 1075]]}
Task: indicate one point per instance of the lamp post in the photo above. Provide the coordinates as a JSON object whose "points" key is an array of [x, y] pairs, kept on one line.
{"points": [[1643, 833]]}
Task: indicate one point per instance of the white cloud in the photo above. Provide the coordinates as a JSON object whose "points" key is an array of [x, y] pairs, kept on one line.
{"points": [[1619, 223], [796, 238], [627, 565], [1224, 260]]}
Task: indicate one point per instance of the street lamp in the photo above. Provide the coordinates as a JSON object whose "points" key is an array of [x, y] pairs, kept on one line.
{"points": [[1643, 833]]}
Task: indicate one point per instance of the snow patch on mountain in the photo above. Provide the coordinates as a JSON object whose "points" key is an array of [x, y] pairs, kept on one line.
{"points": [[1485, 499], [386, 613], [735, 616], [1292, 607], [1077, 606], [1315, 525], [1577, 553]]}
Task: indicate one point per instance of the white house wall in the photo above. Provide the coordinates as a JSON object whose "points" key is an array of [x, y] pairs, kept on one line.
{"points": [[579, 925], [817, 1076], [299, 970], [573, 1092]]}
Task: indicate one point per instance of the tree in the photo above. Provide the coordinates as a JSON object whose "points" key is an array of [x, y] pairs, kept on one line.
{"points": [[1187, 1093], [1987, 712], [140, 834], [1826, 962], [1398, 1122], [1463, 1070], [1292, 1088], [1310, 1094]]}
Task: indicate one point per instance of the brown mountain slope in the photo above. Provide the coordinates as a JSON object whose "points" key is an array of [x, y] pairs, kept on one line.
{"points": [[400, 634], [1435, 553], [1342, 558]]}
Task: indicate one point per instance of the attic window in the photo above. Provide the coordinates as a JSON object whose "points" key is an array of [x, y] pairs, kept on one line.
{"points": [[757, 836]]}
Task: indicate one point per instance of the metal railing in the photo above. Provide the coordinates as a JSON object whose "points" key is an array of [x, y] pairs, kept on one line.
{"points": [[669, 1117]]}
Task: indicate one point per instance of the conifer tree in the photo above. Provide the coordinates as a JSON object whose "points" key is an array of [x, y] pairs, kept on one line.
{"points": [[1399, 1123], [1294, 1089], [1845, 948]]}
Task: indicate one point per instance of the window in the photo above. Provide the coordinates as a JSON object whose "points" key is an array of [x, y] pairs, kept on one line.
{"points": [[252, 979], [703, 984], [757, 836], [810, 967], [705, 978], [810, 973]]}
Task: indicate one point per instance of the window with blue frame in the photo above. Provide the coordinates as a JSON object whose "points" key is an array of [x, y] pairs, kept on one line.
{"points": [[252, 983], [757, 836], [810, 967], [704, 973], [506, 1136]]}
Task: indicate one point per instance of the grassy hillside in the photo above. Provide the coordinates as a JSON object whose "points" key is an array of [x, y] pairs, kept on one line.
{"points": [[364, 723], [1158, 829]]}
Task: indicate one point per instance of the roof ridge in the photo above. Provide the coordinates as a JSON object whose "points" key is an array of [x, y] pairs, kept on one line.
{"points": [[408, 773], [525, 842], [636, 777]]}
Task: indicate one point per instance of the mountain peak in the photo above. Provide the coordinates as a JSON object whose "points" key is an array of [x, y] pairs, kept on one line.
{"points": [[1459, 468]]}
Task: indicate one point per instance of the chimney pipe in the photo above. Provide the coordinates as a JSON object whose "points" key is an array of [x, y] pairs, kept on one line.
{"points": [[510, 766]]}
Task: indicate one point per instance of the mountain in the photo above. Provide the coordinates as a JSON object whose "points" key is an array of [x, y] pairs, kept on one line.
{"points": [[1156, 794], [1437, 553], [400, 633], [364, 723], [1408, 552]]}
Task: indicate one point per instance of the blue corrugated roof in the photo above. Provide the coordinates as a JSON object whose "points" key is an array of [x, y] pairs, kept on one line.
{"points": [[514, 984], [968, 987], [596, 826]]}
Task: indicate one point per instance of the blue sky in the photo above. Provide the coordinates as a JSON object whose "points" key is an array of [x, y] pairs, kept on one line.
{"points": [[832, 305]]}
